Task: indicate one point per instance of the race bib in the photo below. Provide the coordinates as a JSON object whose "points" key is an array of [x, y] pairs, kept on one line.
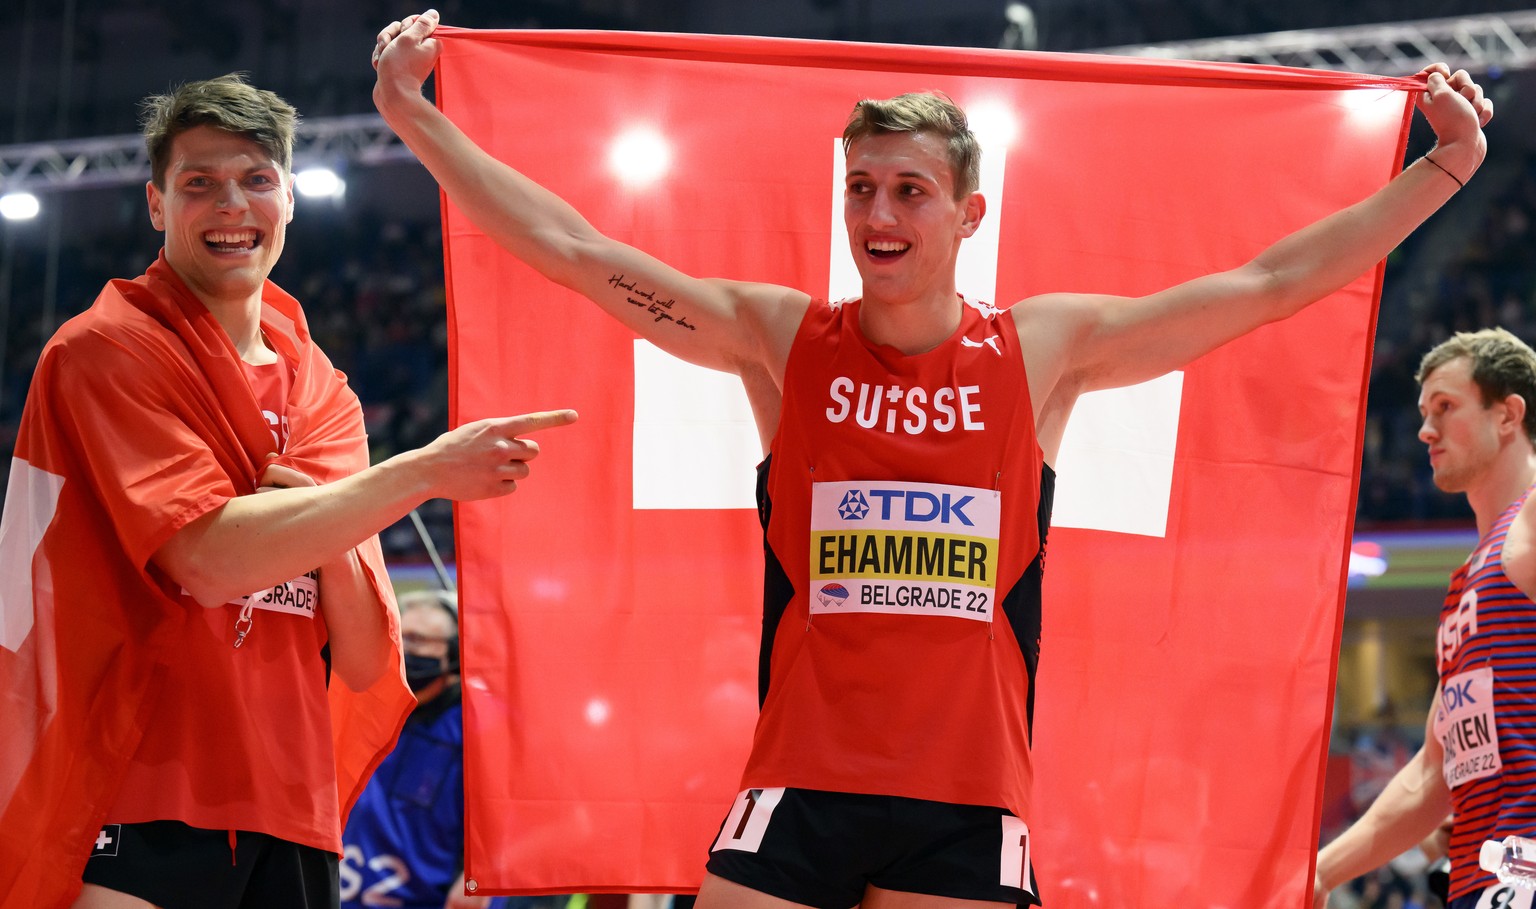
{"points": [[296, 597], [1466, 727], [904, 549], [1504, 896]]}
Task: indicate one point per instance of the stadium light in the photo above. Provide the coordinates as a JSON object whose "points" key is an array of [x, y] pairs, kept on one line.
{"points": [[19, 206], [319, 183]]}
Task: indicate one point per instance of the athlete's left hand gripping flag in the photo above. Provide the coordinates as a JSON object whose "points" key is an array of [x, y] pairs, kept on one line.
{"points": [[1195, 581]]}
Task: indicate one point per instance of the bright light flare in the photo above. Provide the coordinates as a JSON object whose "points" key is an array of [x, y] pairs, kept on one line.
{"points": [[1371, 108], [598, 712], [319, 183], [19, 206], [640, 157], [1364, 98], [995, 124]]}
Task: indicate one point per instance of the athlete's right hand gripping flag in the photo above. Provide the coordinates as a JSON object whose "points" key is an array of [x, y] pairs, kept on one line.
{"points": [[1194, 584]]}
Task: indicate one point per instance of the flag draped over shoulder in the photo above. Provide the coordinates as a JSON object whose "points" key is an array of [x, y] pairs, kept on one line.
{"points": [[85, 630], [1194, 582]]}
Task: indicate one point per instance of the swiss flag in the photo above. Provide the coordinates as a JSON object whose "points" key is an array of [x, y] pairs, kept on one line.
{"points": [[1194, 584]]}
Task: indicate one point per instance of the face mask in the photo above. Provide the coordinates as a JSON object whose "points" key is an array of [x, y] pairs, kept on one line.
{"points": [[421, 671]]}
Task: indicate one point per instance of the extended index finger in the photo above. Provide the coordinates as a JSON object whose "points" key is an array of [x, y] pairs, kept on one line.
{"points": [[533, 422]]}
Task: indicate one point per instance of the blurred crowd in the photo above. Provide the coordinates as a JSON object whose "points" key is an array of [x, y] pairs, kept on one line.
{"points": [[1490, 280], [1362, 759], [372, 285]]}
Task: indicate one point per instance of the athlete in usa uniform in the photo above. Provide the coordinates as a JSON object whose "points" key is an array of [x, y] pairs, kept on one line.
{"points": [[1478, 762], [1486, 716]]}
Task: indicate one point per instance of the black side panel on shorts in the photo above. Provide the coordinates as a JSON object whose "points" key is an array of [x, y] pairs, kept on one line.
{"points": [[1022, 603], [777, 589]]}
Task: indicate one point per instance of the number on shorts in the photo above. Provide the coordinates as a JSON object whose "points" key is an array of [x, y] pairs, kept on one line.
{"points": [[1014, 860], [748, 821]]}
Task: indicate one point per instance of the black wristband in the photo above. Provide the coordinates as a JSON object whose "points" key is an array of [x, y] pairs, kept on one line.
{"points": [[1446, 172]]}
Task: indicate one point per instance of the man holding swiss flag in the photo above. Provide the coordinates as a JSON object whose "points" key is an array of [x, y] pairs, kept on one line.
{"points": [[910, 436]]}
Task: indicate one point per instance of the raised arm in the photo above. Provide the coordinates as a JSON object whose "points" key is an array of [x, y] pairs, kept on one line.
{"points": [[1091, 342], [1412, 806], [735, 326], [252, 542]]}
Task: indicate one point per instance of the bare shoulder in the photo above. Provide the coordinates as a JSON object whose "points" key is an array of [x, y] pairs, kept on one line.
{"points": [[771, 313], [1057, 317], [1051, 327], [773, 301], [771, 308]]}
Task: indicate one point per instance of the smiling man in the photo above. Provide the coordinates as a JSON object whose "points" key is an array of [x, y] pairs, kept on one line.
{"points": [[157, 707], [907, 487]]}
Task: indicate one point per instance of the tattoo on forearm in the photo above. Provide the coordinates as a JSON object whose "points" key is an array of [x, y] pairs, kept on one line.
{"points": [[660, 310]]}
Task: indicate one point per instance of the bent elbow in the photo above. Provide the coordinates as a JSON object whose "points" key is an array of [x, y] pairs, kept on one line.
{"points": [[196, 579], [1275, 293], [212, 584], [212, 595]]}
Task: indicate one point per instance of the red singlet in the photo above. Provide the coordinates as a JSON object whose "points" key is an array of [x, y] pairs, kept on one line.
{"points": [[904, 502]]}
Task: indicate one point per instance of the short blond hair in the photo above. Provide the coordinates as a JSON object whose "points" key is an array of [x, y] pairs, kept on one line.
{"points": [[1502, 365], [922, 112]]}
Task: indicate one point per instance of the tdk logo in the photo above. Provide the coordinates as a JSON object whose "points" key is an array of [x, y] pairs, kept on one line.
{"points": [[853, 507], [1458, 695], [907, 505]]}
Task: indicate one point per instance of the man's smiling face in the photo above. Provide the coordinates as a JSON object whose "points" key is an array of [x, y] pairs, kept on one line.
{"points": [[904, 223], [224, 210]]}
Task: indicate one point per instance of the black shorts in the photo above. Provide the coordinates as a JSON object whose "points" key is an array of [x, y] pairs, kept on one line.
{"points": [[823, 848], [179, 867]]}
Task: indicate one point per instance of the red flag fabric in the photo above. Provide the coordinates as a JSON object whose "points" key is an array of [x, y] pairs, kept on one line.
{"points": [[1194, 585], [86, 631]]}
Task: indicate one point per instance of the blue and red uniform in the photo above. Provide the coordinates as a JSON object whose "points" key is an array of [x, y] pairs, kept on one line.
{"points": [[1486, 718]]}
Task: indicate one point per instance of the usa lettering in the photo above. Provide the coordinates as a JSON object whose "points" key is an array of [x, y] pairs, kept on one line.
{"points": [[893, 408], [1459, 626]]}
